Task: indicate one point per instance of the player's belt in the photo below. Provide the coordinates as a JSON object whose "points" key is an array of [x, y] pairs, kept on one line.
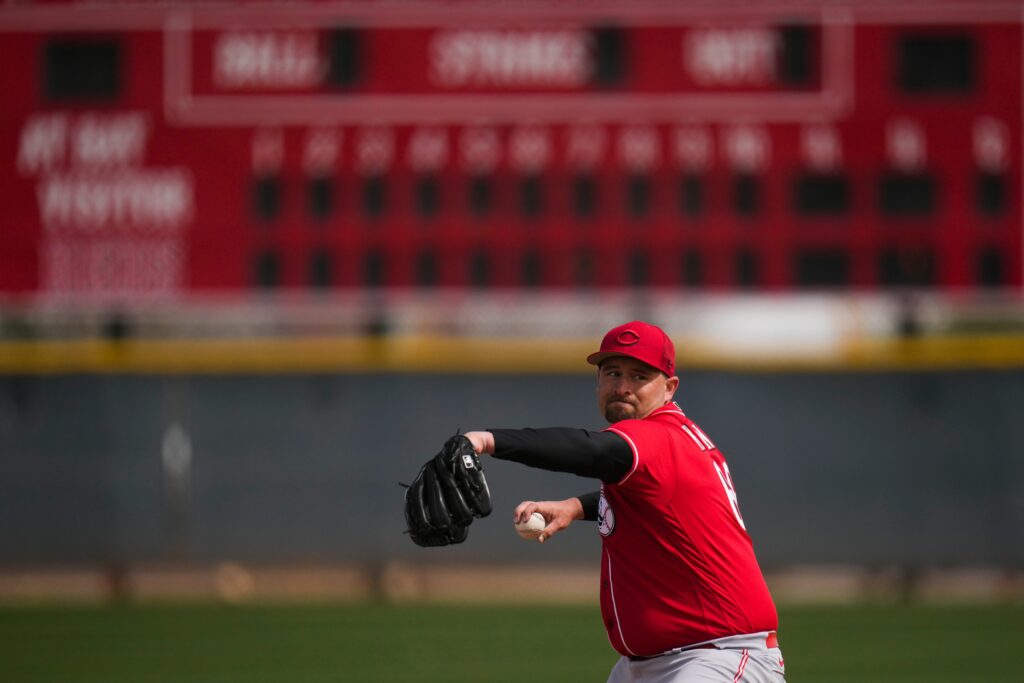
{"points": [[770, 642], [674, 651]]}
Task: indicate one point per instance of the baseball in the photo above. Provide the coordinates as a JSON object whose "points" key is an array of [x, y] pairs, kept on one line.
{"points": [[531, 528]]}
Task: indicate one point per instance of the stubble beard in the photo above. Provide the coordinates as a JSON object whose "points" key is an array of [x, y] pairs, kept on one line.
{"points": [[616, 412]]}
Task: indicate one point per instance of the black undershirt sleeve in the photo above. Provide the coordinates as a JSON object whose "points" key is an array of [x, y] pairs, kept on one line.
{"points": [[589, 501], [600, 455]]}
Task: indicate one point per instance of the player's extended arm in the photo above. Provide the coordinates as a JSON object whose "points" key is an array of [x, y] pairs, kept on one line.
{"points": [[600, 455]]}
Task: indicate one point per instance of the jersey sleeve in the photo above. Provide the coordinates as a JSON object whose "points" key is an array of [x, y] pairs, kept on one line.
{"points": [[652, 453]]}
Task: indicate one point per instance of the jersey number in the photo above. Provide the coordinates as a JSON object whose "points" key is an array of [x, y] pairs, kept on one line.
{"points": [[705, 444], [730, 491]]}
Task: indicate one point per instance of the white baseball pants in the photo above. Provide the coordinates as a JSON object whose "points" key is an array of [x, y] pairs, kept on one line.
{"points": [[728, 665]]}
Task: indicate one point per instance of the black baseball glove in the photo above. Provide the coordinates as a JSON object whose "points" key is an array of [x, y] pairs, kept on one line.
{"points": [[449, 491]]}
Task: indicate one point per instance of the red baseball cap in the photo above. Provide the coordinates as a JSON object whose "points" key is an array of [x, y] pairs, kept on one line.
{"points": [[645, 342]]}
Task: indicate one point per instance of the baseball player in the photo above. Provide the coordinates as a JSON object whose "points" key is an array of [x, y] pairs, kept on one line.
{"points": [[682, 596]]}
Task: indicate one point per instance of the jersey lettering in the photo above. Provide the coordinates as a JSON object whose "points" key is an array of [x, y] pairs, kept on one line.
{"points": [[703, 437], [693, 436], [699, 437]]}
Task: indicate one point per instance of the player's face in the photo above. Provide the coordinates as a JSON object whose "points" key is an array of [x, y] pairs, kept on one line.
{"points": [[628, 389]]}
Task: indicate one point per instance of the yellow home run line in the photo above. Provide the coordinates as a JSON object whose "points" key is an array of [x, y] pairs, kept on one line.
{"points": [[437, 354]]}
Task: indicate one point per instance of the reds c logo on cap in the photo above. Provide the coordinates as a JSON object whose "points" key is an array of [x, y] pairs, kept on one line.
{"points": [[627, 337]]}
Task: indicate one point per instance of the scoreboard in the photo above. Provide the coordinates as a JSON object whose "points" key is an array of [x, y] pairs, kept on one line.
{"points": [[153, 150]]}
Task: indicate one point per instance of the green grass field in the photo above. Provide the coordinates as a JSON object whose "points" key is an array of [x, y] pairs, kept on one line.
{"points": [[366, 643]]}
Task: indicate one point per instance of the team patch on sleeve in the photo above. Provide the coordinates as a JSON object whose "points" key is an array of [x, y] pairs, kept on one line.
{"points": [[605, 517]]}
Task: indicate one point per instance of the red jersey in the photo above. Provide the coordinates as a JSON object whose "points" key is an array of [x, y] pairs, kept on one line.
{"points": [[677, 565]]}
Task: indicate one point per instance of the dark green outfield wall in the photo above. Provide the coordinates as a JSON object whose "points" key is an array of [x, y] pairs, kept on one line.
{"points": [[879, 468]]}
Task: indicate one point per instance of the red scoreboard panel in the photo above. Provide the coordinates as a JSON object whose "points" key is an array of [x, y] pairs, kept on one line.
{"points": [[162, 150]]}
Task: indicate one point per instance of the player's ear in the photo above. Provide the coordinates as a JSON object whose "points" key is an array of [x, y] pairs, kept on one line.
{"points": [[671, 384]]}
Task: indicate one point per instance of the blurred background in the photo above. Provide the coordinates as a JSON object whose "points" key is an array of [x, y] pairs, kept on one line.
{"points": [[258, 260]]}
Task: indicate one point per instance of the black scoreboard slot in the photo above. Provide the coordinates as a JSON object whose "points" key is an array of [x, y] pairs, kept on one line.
{"points": [[267, 269], [531, 196], [426, 269], [320, 197], [990, 194], [817, 194], [375, 196], [907, 194], [639, 267], [822, 267], [746, 195], [320, 269], [266, 197], [936, 64], [584, 196], [480, 196], [609, 56], [692, 267], [748, 271], [82, 69], [530, 269], [638, 195], [906, 267], [691, 195], [990, 267], [344, 57], [797, 65], [374, 268], [428, 197], [479, 269], [584, 268]]}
